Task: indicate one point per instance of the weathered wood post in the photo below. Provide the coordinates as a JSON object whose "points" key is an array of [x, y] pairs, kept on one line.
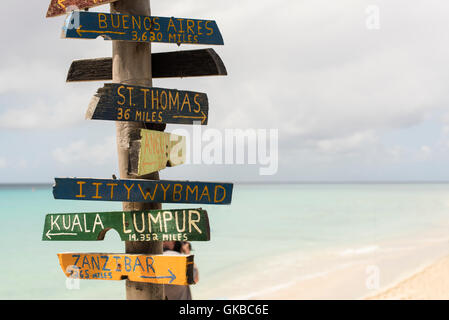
{"points": [[141, 153], [132, 65]]}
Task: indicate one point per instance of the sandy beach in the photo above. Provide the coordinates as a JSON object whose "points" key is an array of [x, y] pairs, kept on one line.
{"points": [[412, 269], [431, 283]]}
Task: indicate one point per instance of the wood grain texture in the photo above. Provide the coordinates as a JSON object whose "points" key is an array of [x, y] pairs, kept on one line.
{"points": [[159, 269], [132, 65], [90, 70], [176, 64], [61, 7], [149, 225], [121, 102]]}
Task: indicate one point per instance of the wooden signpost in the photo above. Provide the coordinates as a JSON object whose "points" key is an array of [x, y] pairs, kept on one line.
{"points": [[139, 28], [160, 191], [119, 102], [177, 270], [155, 151], [151, 225], [141, 112], [176, 64]]}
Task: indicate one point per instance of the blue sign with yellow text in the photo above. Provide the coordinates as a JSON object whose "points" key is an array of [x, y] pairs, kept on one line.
{"points": [[161, 191], [90, 25]]}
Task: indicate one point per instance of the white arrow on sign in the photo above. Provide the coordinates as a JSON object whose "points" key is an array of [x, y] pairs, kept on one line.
{"points": [[48, 234]]}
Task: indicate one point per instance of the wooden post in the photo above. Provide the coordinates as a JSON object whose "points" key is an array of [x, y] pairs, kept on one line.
{"points": [[132, 65]]}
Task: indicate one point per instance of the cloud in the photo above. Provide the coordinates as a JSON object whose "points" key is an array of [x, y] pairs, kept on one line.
{"points": [[43, 114], [3, 163], [348, 144], [81, 153], [16, 77], [425, 152], [320, 75], [333, 88]]}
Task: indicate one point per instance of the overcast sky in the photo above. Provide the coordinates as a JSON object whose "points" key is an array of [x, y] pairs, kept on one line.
{"points": [[350, 103]]}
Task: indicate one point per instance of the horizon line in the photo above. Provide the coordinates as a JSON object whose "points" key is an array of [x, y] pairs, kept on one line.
{"points": [[36, 184]]}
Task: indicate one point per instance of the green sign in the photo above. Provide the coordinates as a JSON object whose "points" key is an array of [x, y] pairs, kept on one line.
{"points": [[151, 225]]}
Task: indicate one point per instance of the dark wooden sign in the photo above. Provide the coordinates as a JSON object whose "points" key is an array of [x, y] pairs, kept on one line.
{"points": [[151, 225], [176, 64], [155, 151], [161, 269], [121, 102], [142, 28], [159, 191], [60, 7]]}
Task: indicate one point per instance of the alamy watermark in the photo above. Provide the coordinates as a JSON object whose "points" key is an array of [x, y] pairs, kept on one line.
{"points": [[74, 22], [373, 277], [231, 147], [372, 21], [73, 281]]}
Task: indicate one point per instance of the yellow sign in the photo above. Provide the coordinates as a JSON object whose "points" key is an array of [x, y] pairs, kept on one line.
{"points": [[160, 269], [159, 149]]}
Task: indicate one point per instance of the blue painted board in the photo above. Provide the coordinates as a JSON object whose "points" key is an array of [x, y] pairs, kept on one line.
{"points": [[121, 102], [160, 191], [112, 26]]}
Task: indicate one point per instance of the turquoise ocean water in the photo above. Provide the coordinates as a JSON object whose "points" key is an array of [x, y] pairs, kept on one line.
{"points": [[264, 221]]}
